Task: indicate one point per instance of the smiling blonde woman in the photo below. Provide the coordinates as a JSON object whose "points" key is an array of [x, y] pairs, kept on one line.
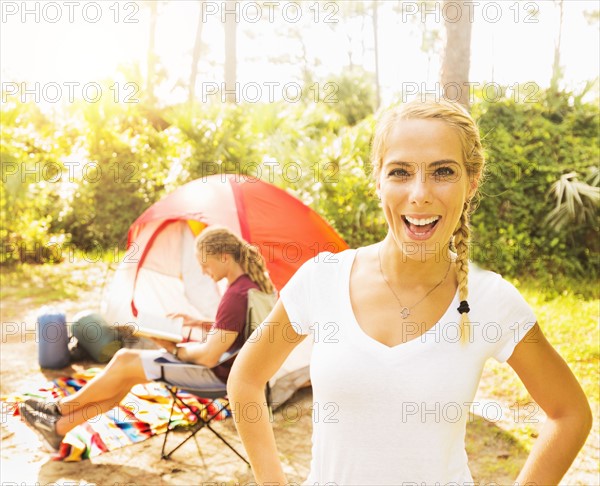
{"points": [[414, 323]]}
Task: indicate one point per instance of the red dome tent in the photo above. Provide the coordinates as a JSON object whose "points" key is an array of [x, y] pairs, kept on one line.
{"points": [[159, 273], [286, 231]]}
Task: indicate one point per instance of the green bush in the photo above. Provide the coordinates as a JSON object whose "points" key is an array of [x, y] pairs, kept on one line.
{"points": [[529, 146], [344, 193], [125, 153], [258, 140], [142, 153], [31, 153], [350, 93]]}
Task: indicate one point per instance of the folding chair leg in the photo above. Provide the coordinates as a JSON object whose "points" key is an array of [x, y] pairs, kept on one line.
{"points": [[200, 424], [170, 453], [228, 444], [164, 444]]}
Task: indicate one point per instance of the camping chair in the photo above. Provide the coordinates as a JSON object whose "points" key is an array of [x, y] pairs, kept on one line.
{"points": [[259, 306]]}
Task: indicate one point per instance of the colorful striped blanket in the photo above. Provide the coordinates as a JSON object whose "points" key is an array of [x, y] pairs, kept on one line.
{"points": [[144, 412]]}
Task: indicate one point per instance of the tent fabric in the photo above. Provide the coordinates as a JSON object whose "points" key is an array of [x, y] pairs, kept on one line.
{"points": [[286, 231], [160, 274]]}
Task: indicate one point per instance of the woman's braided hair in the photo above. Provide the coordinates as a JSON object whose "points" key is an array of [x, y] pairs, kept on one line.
{"points": [[474, 160], [218, 240]]}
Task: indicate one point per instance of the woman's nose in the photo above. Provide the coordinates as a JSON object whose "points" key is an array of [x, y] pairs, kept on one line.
{"points": [[420, 189]]}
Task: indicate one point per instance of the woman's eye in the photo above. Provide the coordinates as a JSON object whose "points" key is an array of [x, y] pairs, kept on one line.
{"points": [[398, 173], [444, 173]]}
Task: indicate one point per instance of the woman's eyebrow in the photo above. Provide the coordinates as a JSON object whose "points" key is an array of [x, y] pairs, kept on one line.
{"points": [[443, 162], [434, 164]]}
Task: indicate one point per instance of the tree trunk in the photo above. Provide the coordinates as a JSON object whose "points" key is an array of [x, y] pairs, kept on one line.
{"points": [[306, 73], [230, 53], [556, 69], [456, 62], [376, 47], [349, 53], [151, 65], [196, 56]]}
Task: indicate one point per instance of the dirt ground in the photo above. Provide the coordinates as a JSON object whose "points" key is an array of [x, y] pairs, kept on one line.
{"points": [[495, 455]]}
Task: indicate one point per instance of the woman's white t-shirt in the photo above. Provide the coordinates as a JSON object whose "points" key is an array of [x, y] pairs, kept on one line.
{"points": [[396, 415]]}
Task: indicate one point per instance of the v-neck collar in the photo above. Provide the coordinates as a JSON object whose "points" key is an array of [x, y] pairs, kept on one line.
{"points": [[347, 303]]}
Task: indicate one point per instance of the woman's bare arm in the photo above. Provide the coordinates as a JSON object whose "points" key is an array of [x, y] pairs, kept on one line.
{"points": [[260, 358], [193, 329], [553, 386]]}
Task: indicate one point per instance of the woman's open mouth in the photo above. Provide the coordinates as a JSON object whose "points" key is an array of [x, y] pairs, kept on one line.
{"points": [[420, 228]]}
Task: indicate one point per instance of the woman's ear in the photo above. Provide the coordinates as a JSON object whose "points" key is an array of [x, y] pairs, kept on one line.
{"points": [[473, 185]]}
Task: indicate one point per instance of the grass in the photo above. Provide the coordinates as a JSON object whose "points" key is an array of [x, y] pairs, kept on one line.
{"points": [[30, 285], [568, 317], [499, 454]]}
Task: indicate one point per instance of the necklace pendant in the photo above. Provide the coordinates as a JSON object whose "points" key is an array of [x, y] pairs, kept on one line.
{"points": [[405, 312]]}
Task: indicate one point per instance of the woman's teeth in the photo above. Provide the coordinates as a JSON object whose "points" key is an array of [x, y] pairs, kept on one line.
{"points": [[421, 226], [421, 222]]}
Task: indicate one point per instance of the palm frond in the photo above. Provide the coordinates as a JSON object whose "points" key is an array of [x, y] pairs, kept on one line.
{"points": [[576, 201]]}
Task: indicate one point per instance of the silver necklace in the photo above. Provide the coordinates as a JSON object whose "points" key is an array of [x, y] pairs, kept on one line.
{"points": [[405, 312]]}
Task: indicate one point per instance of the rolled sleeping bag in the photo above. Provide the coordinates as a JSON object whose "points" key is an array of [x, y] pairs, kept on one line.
{"points": [[96, 336], [53, 338]]}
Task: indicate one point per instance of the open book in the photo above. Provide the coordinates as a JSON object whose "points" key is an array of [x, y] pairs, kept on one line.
{"points": [[160, 327]]}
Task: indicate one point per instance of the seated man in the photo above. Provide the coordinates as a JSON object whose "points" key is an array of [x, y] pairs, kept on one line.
{"points": [[221, 254]]}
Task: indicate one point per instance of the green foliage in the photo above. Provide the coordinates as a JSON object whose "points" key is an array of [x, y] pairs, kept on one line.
{"points": [[122, 160], [576, 201], [530, 146], [79, 181], [31, 150], [217, 140], [568, 316], [351, 94], [38, 285], [344, 193], [114, 160]]}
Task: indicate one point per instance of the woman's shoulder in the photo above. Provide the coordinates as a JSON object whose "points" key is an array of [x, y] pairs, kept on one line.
{"points": [[243, 282], [491, 284], [480, 273], [328, 261], [324, 264], [326, 257]]}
